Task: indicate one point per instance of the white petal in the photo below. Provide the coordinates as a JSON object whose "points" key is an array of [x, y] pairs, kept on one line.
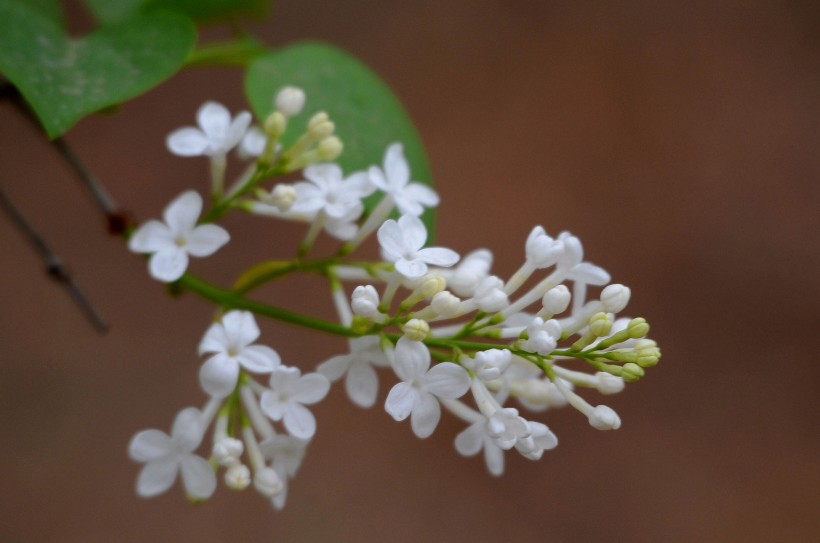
{"points": [[362, 385], [215, 340], [168, 265], [240, 327], [395, 166], [215, 120], [258, 358], [359, 185], [309, 389], [157, 477], [494, 458], [151, 237], [590, 274], [324, 176], [400, 401], [206, 239], [198, 477], [391, 239], [447, 380], [411, 269], [425, 416], [471, 439], [218, 375], [182, 213], [188, 429], [271, 406], [299, 421], [188, 141], [412, 359], [438, 256], [237, 130], [414, 231], [421, 194], [376, 176], [333, 368], [149, 445], [253, 143]]}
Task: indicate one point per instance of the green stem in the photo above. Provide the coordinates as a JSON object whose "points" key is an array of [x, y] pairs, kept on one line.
{"points": [[237, 52], [229, 299]]}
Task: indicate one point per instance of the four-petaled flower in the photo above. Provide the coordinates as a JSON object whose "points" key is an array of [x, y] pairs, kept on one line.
{"points": [[394, 180], [217, 133], [402, 244], [416, 395], [231, 340], [289, 391], [165, 456], [329, 192], [361, 383], [172, 241]]}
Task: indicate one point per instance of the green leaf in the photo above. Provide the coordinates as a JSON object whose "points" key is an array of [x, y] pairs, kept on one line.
{"points": [[208, 10], [367, 114], [51, 9], [64, 79], [113, 11]]}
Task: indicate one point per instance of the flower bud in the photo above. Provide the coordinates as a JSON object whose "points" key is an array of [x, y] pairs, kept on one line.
{"points": [[604, 418], [542, 251], [329, 148], [416, 330], [490, 296], [275, 125], [432, 284], [267, 482], [238, 477], [317, 118], [648, 353], [556, 300], [290, 101], [615, 297], [491, 364], [365, 301], [227, 451], [632, 372], [282, 197], [600, 325], [445, 304], [638, 328], [607, 383]]}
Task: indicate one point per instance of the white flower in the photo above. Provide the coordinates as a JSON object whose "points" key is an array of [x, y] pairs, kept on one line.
{"points": [[615, 297], [464, 278], [580, 272], [490, 364], [475, 438], [287, 453], [410, 198], [172, 241], [556, 300], [289, 391], [361, 381], [416, 395], [539, 439], [506, 427], [365, 301], [402, 244], [542, 336], [165, 456], [217, 133], [490, 296], [543, 251], [231, 341], [329, 192]]}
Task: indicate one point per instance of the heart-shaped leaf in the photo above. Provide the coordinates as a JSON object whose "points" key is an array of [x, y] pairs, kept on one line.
{"points": [[64, 79], [111, 11], [367, 114]]}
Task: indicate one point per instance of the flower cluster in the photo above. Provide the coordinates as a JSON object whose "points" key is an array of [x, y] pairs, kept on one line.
{"points": [[450, 334]]}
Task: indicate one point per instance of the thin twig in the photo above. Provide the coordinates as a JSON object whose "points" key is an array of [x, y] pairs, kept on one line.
{"points": [[54, 266]]}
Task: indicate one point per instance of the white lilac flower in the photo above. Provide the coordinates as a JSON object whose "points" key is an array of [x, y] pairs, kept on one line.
{"points": [[165, 456], [394, 179], [539, 439], [402, 244], [231, 342], [172, 241], [286, 453], [542, 250], [542, 336], [489, 295], [475, 438], [473, 268], [361, 381], [490, 364], [327, 191], [217, 134], [416, 395], [289, 392], [615, 297]]}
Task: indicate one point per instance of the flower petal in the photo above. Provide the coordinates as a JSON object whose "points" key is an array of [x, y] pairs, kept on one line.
{"points": [[151, 237], [188, 429], [149, 445], [157, 476], [411, 360], [395, 166], [237, 130], [358, 184], [218, 375], [182, 213], [324, 176], [391, 239], [241, 328], [438, 256], [215, 120], [299, 421], [421, 194], [425, 416], [309, 389], [494, 458], [333, 368], [271, 406], [215, 340], [258, 358], [411, 269], [362, 384], [589, 273], [198, 477], [447, 380], [168, 265], [415, 234], [400, 401], [188, 141], [206, 239], [471, 439]]}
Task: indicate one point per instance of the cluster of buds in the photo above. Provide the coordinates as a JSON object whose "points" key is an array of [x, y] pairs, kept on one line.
{"points": [[457, 338]]}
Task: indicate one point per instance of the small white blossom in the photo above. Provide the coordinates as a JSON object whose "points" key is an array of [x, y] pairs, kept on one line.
{"points": [[542, 250], [267, 482], [540, 439], [288, 394], [556, 300], [231, 342], [217, 133], [615, 297], [361, 381], [477, 437], [365, 301], [326, 190], [227, 451], [542, 336], [402, 244], [287, 453], [464, 278], [394, 179], [490, 364], [416, 395], [490, 295], [445, 304], [165, 456], [172, 241], [238, 477]]}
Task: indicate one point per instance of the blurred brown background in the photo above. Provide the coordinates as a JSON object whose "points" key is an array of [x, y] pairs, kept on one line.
{"points": [[678, 140]]}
